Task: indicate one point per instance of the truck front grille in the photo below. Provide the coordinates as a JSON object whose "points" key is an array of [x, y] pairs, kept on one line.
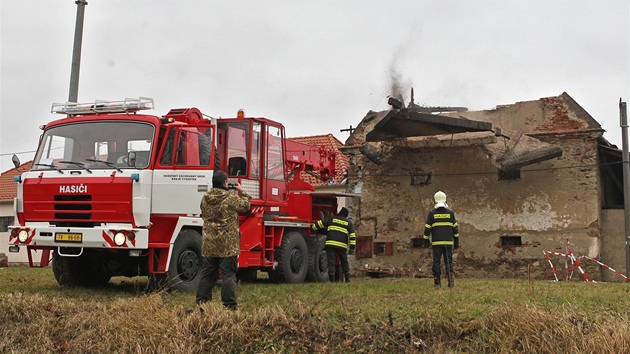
{"points": [[73, 207]]}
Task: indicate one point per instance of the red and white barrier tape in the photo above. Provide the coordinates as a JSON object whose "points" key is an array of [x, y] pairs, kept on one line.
{"points": [[575, 262], [553, 269], [606, 266]]}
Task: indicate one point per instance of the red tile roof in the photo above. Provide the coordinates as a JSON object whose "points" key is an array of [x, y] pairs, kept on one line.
{"points": [[8, 188], [332, 143]]}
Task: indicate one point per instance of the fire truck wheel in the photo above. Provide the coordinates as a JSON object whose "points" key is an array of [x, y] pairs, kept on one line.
{"points": [[317, 261], [185, 268], [79, 271], [247, 275], [292, 258]]}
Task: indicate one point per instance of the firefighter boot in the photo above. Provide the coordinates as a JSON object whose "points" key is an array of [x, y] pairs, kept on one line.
{"points": [[436, 280], [347, 277], [451, 281]]}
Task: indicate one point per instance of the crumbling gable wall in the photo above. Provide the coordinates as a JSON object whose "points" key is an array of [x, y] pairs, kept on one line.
{"points": [[550, 202], [560, 114]]}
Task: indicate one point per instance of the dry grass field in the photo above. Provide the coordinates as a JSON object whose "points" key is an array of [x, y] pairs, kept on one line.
{"points": [[387, 315]]}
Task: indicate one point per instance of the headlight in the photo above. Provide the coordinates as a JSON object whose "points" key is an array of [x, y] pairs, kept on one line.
{"points": [[23, 236], [119, 239]]}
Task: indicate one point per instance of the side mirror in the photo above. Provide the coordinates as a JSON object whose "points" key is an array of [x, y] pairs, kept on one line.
{"points": [[131, 159], [16, 161]]}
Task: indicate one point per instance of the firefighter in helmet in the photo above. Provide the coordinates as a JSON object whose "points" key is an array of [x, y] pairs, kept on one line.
{"points": [[340, 241], [442, 231]]}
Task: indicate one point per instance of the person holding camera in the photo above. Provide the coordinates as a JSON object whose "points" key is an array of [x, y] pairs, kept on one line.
{"points": [[221, 238], [339, 235], [441, 228]]}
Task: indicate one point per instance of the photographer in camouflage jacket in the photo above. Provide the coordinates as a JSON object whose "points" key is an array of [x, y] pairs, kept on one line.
{"points": [[220, 244]]}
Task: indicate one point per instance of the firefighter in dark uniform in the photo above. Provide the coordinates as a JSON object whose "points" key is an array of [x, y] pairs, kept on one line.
{"points": [[441, 228], [340, 241]]}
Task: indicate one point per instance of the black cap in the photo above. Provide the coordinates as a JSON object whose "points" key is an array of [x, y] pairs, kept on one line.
{"points": [[344, 212], [219, 178]]}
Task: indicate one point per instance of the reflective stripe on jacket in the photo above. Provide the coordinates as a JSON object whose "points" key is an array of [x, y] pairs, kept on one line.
{"points": [[441, 227], [339, 231]]}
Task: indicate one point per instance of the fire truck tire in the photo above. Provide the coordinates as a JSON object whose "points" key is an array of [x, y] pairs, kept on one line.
{"points": [[78, 271], [317, 261], [247, 275], [184, 270], [292, 258]]}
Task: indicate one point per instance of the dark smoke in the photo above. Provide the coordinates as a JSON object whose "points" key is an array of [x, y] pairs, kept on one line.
{"points": [[399, 87]]}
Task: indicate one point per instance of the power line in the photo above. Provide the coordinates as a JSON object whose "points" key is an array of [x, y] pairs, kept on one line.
{"points": [[18, 153], [494, 173]]}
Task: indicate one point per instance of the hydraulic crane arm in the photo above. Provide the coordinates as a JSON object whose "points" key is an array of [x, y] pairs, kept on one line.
{"points": [[317, 161]]}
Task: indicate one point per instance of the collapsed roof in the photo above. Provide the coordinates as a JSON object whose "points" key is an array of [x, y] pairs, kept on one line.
{"points": [[414, 128]]}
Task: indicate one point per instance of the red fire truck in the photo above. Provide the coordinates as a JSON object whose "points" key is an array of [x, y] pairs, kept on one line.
{"points": [[114, 192]]}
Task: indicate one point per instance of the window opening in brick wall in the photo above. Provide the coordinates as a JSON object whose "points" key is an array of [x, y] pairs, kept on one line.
{"points": [[416, 242], [420, 178], [5, 222], [364, 247], [509, 175], [384, 248], [511, 241]]}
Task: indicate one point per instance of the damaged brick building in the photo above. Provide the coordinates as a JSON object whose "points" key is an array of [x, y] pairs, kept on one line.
{"points": [[521, 178]]}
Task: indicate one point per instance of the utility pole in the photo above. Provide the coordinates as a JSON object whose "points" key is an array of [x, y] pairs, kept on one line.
{"points": [[623, 120], [76, 52], [351, 129]]}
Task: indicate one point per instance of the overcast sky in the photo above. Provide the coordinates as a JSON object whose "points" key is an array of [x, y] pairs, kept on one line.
{"points": [[316, 66]]}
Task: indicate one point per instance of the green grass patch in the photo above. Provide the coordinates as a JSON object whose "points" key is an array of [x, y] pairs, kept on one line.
{"points": [[366, 316]]}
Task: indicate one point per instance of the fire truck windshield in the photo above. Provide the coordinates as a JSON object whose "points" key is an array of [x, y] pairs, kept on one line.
{"points": [[95, 145]]}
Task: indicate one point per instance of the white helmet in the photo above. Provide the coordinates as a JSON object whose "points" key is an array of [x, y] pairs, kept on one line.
{"points": [[440, 197]]}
